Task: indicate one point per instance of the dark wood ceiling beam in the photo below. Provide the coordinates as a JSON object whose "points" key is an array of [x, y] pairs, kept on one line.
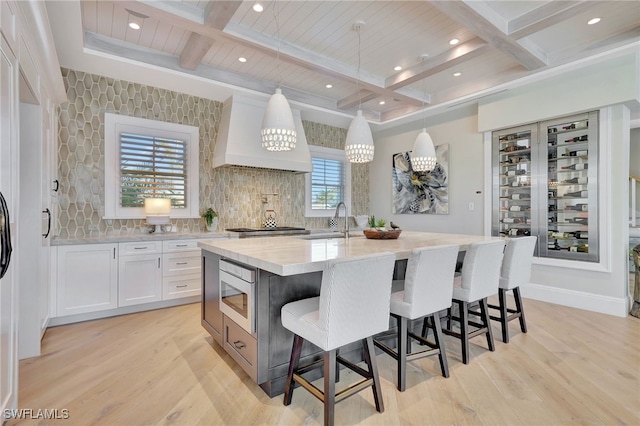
{"points": [[217, 15], [466, 16], [545, 16]]}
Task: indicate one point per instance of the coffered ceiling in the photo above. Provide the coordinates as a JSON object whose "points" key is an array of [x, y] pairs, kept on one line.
{"points": [[307, 45]]}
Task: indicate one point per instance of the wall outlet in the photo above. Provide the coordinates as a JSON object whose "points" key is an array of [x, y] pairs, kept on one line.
{"points": [[472, 207]]}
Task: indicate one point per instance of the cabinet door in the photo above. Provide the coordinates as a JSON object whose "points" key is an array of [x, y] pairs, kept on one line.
{"points": [[513, 214], [139, 279], [571, 192], [87, 278]]}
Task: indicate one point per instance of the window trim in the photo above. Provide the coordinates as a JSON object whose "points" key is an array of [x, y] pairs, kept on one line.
{"points": [[115, 124], [328, 154]]}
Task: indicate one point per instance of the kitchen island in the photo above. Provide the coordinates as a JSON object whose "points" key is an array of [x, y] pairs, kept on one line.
{"points": [[287, 269]]}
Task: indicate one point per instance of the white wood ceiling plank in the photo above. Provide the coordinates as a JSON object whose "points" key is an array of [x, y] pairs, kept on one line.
{"points": [[546, 15], [89, 16], [148, 32], [105, 18], [120, 24], [173, 40], [160, 36]]}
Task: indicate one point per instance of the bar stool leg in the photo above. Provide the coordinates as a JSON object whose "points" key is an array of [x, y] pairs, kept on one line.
{"points": [[439, 340], [402, 353], [296, 350], [484, 312], [370, 359], [504, 320], [516, 295], [464, 330], [329, 386]]}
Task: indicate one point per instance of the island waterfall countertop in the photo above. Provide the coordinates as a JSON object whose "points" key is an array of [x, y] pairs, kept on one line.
{"points": [[298, 255]]}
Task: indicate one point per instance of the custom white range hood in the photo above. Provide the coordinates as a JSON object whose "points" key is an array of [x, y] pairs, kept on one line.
{"points": [[239, 144]]}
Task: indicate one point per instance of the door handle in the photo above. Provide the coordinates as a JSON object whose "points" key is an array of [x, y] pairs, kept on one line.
{"points": [[48, 212]]}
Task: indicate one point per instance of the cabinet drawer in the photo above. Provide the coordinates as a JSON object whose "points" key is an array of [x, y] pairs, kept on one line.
{"points": [[179, 245], [181, 263], [242, 347], [143, 247], [181, 286]]}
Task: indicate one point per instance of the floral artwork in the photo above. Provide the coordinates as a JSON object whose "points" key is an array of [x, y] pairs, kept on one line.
{"points": [[421, 192]]}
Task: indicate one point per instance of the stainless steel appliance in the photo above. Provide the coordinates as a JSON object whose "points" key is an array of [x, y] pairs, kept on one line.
{"points": [[5, 237], [237, 294]]}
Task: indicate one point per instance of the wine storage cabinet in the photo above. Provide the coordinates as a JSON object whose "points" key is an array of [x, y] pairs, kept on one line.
{"points": [[545, 179]]}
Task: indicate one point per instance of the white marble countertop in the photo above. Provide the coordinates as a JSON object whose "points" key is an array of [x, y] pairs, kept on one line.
{"points": [[138, 236], [293, 255]]}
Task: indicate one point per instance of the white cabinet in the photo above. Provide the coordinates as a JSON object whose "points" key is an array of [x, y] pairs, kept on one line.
{"points": [[87, 278], [139, 275], [181, 269]]}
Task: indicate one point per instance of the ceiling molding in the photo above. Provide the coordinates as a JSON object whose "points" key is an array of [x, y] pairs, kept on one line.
{"points": [[483, 28], [217, 15], [547, 15]]}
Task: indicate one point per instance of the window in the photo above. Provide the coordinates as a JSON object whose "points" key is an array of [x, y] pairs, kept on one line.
{"points": [[147, 158], [328, 183]]}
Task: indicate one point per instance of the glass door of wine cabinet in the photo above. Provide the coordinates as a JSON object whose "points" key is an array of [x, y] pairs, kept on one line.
{"points": [[545, 184]]}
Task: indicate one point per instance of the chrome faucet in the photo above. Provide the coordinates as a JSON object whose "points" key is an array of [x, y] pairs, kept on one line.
{"points": [[345, 230]]}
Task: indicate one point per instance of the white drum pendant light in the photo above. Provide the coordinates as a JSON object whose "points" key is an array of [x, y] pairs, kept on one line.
{"points": [[359, 144], [278, 129], [423, 155]]}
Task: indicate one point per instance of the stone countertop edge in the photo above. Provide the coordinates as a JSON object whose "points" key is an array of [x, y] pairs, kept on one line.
{"points": [[292, 255], [134, 237], [125, 238]]}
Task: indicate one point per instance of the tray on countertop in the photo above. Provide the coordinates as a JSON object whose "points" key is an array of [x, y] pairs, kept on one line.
{"points": [[374, 234]]}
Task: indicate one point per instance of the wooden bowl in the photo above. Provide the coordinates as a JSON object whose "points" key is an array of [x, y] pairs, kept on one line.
{"points": [[374, 234]]}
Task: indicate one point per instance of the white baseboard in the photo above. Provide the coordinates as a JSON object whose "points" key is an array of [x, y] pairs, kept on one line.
{"points": [[618, 306]]}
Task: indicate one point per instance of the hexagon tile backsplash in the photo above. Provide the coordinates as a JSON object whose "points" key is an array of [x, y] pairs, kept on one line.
{"points": [[233, 192]]}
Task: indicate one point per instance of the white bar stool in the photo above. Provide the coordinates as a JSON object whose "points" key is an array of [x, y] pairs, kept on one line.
{"points": [[428, 288], [478, 280], [353, 305], [516, 270]]}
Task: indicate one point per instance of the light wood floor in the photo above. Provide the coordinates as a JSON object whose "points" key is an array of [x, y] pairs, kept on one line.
{"points": [[573, 367]]}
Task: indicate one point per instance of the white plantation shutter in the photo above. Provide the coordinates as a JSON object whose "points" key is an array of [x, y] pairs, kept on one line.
{"points": [[327, 183], [152, 167]]}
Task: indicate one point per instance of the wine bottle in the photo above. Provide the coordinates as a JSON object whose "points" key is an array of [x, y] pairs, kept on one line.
{"points": [[578, 180], [520, 196], [518, 208], [578, 194], [577, 166], [576, 139], [579, 207], [511, 220], [515, 172], [583, 248]]}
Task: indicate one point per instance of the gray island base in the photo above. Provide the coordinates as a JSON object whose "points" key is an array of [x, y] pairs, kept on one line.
{"points": [[288, 269]]}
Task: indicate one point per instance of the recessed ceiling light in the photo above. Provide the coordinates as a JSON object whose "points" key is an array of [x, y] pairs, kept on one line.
{"points": [[454, 41], [242, 59], [397, 68], [134, 25], [593, 21], [258, 7], [457, 74], [329, 86], [382, 102]]}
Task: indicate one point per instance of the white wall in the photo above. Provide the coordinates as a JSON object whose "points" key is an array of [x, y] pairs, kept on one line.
{"points": [[634, 152], [459, 130]]}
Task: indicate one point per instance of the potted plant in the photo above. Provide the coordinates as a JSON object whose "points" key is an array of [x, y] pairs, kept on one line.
{"points": [[211, 219]]}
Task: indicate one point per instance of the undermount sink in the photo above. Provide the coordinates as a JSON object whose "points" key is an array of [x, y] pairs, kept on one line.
{"points": [[327, 236]]}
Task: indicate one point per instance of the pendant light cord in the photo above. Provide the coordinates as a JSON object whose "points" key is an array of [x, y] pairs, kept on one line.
{"points": [[424, 93], [358, 72], [275, 17]]}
